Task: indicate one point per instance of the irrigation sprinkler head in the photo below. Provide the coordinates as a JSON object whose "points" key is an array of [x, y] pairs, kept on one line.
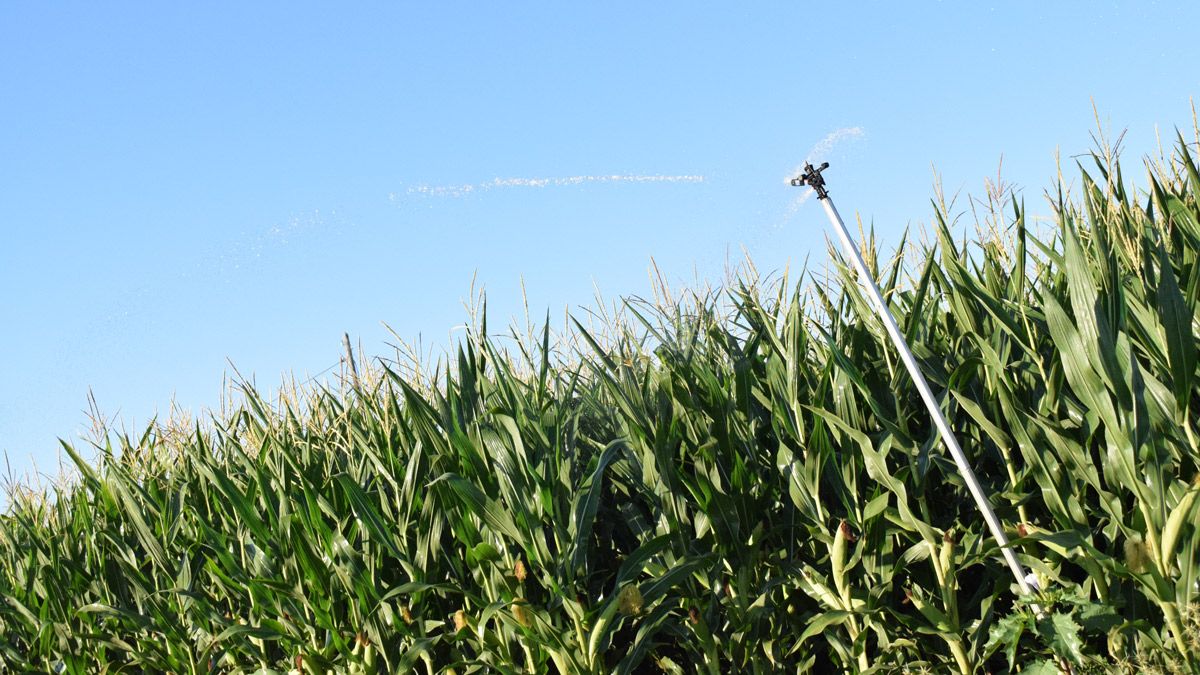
{"points": [[812, 177]]}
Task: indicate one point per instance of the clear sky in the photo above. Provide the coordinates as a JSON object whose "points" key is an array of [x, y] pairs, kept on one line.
{"points": [[246, 181]]}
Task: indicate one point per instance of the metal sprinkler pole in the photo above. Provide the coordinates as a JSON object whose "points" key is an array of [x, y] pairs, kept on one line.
{"points": [[812, 177]]}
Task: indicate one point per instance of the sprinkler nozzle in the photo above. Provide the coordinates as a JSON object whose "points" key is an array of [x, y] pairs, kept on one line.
{"points": [[812, 177]]}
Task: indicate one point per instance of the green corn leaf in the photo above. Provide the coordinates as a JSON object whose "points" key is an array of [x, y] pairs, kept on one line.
{"points": [[480, 505], [1177, 322], [368, 515]]}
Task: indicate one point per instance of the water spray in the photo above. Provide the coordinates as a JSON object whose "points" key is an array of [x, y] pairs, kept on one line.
{"points": [[812, 178], [560, 181]]}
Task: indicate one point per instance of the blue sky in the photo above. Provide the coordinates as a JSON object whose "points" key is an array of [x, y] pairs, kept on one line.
{"points": [[242, 181]]}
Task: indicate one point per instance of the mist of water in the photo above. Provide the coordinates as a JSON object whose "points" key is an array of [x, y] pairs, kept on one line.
{"points": [[498, 183]]}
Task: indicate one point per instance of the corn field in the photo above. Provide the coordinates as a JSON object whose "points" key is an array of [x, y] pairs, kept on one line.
{"points": [[734, 480]]}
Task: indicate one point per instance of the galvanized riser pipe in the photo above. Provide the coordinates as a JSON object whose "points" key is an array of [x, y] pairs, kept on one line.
{"points": [[812, 177]]}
